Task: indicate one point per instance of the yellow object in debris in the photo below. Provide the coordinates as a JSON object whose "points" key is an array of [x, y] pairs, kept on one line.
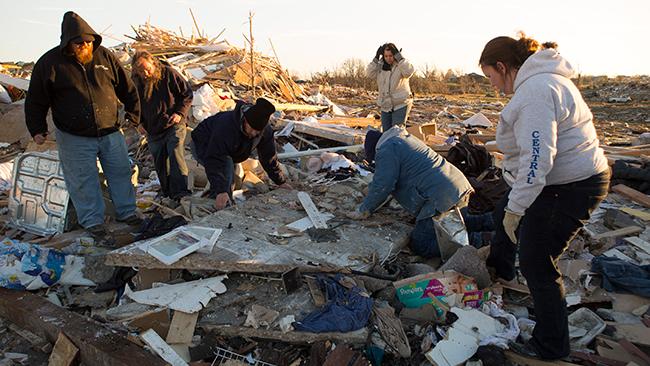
{"points": [[643, 215]]}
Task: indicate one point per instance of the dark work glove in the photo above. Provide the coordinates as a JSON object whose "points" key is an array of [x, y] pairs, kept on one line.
{"points": [[398, 56], [380, 52]]}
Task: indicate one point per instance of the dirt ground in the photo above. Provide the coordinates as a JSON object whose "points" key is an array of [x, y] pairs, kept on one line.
{"points": [[616, 123]]}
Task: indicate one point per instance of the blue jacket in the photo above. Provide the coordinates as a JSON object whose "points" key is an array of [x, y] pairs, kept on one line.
{"points": [[422, 181]]}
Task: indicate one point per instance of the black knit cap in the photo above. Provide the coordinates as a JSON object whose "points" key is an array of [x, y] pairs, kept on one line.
{"points": [[258, 114], [370, 144]]}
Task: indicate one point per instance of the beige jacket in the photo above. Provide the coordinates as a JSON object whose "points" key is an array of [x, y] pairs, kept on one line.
{"points": [[394, 88]]}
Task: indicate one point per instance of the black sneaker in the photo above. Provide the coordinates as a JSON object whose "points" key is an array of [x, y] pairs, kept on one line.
{"points": [[102, 237], [132, 220]]}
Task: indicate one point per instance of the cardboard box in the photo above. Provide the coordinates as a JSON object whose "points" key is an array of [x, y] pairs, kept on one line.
{"points": [[449, 287]]}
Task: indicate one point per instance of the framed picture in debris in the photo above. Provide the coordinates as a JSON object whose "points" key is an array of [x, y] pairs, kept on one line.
{"points": [[209, 236], [175, 245]]}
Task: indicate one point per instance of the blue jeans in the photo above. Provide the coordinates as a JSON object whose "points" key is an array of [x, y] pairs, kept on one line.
{"points": [[425, 243], [478, 227], [170, 147], [78, 155], [396, 117]]}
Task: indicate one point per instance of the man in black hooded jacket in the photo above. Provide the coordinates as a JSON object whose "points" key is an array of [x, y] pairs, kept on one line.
{"points": [[83, 84]]}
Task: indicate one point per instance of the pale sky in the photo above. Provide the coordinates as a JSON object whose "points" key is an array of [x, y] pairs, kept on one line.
{"points": [[598, 37]]}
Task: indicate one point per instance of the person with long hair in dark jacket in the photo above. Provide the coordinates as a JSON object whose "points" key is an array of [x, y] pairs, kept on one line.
{"points": [[165, 99]]}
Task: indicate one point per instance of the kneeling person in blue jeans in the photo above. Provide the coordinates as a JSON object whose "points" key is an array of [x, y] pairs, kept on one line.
{"points": [[422, 181], [83, 83]]}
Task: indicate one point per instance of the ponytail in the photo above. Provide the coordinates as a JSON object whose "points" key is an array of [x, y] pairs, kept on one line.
{"points": [[511, 52]]}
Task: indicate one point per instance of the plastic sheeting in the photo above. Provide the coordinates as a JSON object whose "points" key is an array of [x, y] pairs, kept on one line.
{"points": [[208, 101], [26, 266]]}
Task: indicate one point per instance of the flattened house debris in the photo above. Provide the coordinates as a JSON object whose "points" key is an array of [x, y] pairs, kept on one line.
{"points": [[290, 279]]}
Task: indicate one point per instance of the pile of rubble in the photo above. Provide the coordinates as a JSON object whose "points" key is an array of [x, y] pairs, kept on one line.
{"points": [[202, 60], [284, 277]]}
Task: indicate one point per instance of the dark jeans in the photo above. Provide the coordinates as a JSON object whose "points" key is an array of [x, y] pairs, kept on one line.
{"points": [[169, 147], [544, 233], [425, 243]]}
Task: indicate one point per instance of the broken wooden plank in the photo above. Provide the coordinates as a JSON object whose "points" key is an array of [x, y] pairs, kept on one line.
{"points": [[635, 333], [319, 221], [64, 352], [635, 351], [595, 359], [627, 152], [357, 337], [639, 243], [629, 230], [38, 343], [162, 349], [343, 135], [158, 320], [643, 215], [98, 344], [527, 361], [615, 351], [300, 107], [298, 154], [352, 122], [182, 327], [632, 194]]}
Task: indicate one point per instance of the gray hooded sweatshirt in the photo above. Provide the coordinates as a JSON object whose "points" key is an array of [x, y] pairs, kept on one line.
{"points": [[546, 132]]}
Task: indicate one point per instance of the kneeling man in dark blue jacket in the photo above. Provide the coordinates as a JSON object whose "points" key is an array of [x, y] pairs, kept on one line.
{"points": [[228, 138]]}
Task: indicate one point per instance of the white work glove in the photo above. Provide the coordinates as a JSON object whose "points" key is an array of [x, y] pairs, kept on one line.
{"points": [[511, 223], [358, 215]]}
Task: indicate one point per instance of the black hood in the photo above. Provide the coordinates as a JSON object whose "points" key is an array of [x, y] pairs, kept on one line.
{"points": [[74, 26]]}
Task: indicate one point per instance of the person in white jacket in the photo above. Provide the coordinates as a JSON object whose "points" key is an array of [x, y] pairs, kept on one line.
{"points": [[393, 72], [557, 172]]}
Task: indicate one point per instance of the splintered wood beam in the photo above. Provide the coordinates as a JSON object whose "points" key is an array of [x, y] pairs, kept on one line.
{"points": [[632, 194], [314, 215], [356, 337], [98, 345]]}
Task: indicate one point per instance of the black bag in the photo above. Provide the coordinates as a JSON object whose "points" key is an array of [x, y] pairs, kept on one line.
{"points": [[477, 165], [470, 159]]}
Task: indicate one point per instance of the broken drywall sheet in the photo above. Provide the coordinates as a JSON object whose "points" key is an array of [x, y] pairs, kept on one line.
{"points": [[188, 297]]}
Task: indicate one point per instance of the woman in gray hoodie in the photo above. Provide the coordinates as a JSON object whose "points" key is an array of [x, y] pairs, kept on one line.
{"points": [[557, 172]]}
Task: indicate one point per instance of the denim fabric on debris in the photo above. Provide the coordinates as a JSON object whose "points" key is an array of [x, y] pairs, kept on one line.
{"points": [[347, 309], [621, 276]]}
